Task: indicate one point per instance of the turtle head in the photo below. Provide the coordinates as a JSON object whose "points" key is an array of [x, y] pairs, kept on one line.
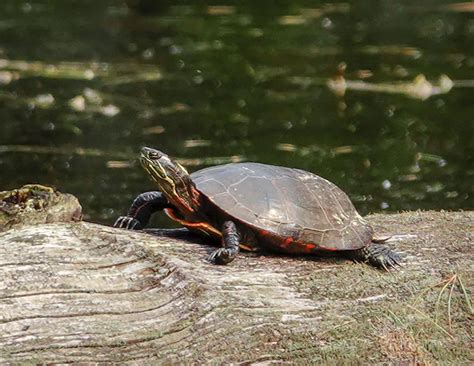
{"points": [[172, 179]]}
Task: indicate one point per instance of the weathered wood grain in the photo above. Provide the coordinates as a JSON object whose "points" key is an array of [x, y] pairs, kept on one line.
{"points": [[80, 292]]}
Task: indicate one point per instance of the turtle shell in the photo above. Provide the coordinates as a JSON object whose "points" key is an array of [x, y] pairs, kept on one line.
{"points": [[289, 205]]}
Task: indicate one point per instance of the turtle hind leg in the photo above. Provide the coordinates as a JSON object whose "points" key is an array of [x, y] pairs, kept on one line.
{"points": [[377, 255]]}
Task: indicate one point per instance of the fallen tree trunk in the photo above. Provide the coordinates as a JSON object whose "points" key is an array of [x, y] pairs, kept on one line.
{"points": [[81, 292]]}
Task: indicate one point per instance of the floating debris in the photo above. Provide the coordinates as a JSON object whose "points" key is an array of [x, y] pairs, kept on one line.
{"points": [[220, 9], [92, 96], [451, 194], [217, 160], [463, 83], [431, 158], [66, 150], [301, 150], [126, 160], [391, 50], [197, 143], [308, 14], [118, 164], [6, 77], [292, 20], [239, 118], [173, 108], [312, 12], [386, 184], [154, 130], [43, 101], [466, 7], [78, 103], [419, 88], [463, 7], [110, 72], [363, 74], [409, 177], [435, 187], [91, 101], [343, 150], [109, 110], [140, 77], [148, 53], [286, 147], [336, 8]]}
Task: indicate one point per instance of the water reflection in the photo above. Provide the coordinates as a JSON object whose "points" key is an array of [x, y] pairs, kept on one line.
{"points": [[353, 91]]}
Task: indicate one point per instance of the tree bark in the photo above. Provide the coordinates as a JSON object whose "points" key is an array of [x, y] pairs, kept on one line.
{"points": [[81, 292]]}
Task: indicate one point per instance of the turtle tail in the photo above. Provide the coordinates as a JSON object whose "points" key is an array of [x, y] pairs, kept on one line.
{"points": [[377, 255]]}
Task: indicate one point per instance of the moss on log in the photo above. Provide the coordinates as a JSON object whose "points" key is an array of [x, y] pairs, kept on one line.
{"points": [[36, 204], [81, 292]]}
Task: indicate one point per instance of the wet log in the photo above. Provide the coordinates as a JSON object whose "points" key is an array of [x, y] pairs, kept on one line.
{"points": [[81, 292]]}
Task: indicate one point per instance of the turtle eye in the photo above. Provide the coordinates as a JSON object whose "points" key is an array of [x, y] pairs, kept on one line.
{"points": [[153, 155]]}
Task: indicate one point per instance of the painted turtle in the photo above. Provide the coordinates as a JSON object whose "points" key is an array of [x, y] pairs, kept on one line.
{"points": [[257, 206]]}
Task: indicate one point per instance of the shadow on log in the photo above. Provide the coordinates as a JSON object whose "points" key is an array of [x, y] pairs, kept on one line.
{"points": [[81, 292]]}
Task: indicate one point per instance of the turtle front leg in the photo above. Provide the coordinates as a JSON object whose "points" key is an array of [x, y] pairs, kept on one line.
{"points": [[141, 210], [230, 242]]}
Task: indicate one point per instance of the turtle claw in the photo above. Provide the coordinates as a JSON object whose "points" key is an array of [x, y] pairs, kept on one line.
{"points": [[382, 256], [377, 255], [118, 222], [134, 225], [221, 256], [128, 222]]}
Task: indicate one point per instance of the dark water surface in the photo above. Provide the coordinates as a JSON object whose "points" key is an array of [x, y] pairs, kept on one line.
{"points": [[84, 84]]}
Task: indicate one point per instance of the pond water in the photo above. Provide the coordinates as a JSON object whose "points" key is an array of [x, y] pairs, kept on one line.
{"points": [[374, 96]]}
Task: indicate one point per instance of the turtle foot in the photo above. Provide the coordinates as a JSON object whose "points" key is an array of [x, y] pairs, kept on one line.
{"points": [[222, 256], [379, 256], [128, 222]]}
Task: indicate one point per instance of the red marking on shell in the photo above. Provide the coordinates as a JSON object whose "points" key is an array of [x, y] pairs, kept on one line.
{"points": [[329, 249], [288, 241], [310, 246]]}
